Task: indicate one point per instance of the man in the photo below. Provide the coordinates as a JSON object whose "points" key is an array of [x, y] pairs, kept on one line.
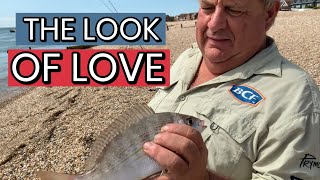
{"points": [[262, 112]]}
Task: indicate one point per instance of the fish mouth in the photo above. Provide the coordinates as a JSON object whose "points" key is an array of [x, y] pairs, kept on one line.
{"points": [[201, 123]]}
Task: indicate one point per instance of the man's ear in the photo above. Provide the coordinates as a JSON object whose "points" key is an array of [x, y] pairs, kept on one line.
{"points": [[271, 14]]}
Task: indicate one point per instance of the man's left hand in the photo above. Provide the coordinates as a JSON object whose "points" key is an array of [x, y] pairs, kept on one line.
{"points": [[181, 151]]}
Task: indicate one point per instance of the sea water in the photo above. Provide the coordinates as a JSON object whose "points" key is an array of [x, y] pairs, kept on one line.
{"points": [[8, 41]]}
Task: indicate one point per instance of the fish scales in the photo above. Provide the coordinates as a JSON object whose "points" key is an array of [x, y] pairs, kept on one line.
{"points": [[114, 129], [128, 145], [117, 154]]}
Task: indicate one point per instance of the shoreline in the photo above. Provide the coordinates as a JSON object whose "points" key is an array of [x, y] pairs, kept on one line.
{"points": [[13, 96]]}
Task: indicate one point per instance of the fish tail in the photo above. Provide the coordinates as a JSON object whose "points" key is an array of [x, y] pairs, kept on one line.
{"points": [[46, 175]]}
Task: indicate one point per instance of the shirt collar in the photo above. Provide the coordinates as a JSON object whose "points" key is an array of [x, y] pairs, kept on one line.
{"points": [[267, 61]]}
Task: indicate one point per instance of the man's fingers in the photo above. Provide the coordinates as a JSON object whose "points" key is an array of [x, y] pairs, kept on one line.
{"points": [[188, 132], [165, 177], [181, 145], [159, 176], [166, 158], [153, 176]]}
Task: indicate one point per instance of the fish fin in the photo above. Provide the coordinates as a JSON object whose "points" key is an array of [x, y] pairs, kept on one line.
{"points": [[46, 175], [128, 117]]}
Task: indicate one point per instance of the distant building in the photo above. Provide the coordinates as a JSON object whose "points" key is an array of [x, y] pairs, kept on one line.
{"points": [[286, 4], [169, 18], [186, 17]]}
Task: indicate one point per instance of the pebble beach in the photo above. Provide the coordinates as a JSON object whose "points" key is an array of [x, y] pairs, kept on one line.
{"points": [[53, 128]]}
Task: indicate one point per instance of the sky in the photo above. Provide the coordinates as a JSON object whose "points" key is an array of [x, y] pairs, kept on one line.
{"points": [[8, 8]]}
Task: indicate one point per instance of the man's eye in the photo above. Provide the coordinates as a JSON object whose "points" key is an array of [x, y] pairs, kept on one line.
{"points": [[234, 12], [208, 9]]}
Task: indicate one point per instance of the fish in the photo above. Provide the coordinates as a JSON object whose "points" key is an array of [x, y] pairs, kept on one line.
{"points": [[117, 153]]}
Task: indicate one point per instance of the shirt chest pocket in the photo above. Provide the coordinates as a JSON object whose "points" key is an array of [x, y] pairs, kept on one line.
{"points": [[225, 137], [164, 98]]}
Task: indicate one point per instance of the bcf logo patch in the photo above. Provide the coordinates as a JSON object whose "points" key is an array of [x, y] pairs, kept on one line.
{"points": [[246, 94]]}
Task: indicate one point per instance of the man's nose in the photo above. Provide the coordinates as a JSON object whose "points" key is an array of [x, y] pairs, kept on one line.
{"points": [[218, 20]]}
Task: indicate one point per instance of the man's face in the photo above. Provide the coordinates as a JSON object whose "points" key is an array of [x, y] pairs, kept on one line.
{"points": [[229, 32]]}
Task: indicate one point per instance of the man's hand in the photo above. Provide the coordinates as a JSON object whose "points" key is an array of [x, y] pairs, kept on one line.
{"points": [[181, 151]]}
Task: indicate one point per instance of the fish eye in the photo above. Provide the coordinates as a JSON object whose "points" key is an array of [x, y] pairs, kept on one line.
{"points": [[189, 121]]}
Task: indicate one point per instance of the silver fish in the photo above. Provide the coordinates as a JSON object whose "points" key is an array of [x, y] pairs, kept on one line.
{"points": [[117, 154]]}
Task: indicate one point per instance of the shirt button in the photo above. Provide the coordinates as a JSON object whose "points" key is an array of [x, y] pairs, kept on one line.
{"points": [[182, 98], [214, 126]]}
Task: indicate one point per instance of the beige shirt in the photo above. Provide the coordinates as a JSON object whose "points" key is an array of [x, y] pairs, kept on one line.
{"points": [[262, 117]]}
